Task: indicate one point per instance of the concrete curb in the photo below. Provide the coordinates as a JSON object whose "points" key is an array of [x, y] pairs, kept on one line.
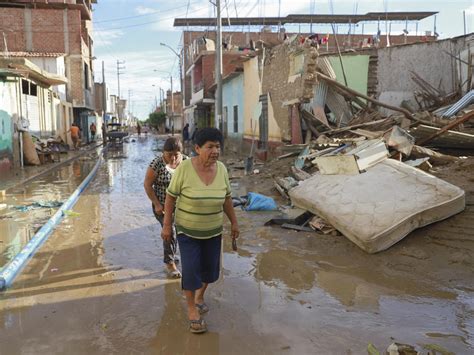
{"points": [[14, 267], [45, 171]]}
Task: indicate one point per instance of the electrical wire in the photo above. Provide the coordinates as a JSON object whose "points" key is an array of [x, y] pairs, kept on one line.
{"points": [[147, 14]]}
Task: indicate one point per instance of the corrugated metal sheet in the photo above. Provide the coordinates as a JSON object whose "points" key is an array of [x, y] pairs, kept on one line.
{"points": [[338, 107], [458, 106]]}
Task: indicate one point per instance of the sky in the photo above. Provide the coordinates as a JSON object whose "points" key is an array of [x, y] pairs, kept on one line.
{"points": [[130, 31]]}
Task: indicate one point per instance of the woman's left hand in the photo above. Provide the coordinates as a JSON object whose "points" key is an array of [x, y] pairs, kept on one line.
{"points": [[234, 231]]}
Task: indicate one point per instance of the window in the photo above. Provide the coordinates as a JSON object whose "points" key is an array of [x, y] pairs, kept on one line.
{"points": [[236, 119], [28, 88], [224, 118], [33, 89], [25, 87], [86, 76]]}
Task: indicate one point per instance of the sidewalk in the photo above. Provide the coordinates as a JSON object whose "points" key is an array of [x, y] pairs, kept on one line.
{"points": [[19, 176]]}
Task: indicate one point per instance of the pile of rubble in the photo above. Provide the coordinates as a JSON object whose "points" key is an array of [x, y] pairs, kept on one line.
{"points": [[362, 174]]}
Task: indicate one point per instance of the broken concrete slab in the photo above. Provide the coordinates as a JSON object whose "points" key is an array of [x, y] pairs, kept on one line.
{"points": [[380, 207], [354, 159], [400, 140]]}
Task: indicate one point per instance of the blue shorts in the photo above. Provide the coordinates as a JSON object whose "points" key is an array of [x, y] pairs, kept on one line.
{"points": [[200, 261]]}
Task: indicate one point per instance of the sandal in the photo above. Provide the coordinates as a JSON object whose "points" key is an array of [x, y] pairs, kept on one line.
{"points": [[197, 326], [202, 308], [175, 274]]}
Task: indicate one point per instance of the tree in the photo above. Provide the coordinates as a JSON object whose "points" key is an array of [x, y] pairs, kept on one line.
{"points": [[156, 119]]}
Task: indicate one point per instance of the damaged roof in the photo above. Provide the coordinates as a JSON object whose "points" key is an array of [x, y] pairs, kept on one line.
{"points": [[315, 19]]}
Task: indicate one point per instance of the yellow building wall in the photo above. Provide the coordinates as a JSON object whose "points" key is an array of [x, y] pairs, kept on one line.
{"points": [[252, 92]]}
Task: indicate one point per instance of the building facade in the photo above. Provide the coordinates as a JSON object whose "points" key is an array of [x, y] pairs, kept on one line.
{"points": [[56, 36]]}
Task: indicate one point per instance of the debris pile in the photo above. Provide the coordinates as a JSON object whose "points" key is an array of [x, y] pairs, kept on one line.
{"points": [[364, 173]]}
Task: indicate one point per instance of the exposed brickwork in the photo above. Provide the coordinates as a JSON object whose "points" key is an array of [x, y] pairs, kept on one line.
{"points": [[47, 29], [277, 82], [48, 36], [230, 62], [177, 102], [12, 25]]}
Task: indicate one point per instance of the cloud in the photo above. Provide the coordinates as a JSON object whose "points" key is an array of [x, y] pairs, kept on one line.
{"points": [[106, 37], [142, 10], [470, 10], [145, 73]]}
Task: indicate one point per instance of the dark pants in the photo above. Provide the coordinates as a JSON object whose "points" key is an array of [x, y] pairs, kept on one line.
{"points": [[200, 261], [169, 248]]}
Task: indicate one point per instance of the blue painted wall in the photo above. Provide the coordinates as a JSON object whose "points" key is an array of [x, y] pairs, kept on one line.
{"points": [[233, 95], [6, 130]]}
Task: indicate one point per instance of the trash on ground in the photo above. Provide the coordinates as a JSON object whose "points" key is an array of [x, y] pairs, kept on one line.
{"points": [[71, 213], [258, 202], [38, 204]]}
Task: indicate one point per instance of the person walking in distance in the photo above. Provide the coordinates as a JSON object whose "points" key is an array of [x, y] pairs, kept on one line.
{"points": [[93, 130], [75, 135], [186, 137], [157, 179]]}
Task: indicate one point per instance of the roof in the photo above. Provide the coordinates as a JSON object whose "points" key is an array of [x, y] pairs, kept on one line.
{"points": [[31, 54], [23, 67], [296, 18]]}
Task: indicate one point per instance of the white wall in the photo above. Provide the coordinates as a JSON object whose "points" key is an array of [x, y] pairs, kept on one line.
{"points": [[54, 66], [429, 60]]}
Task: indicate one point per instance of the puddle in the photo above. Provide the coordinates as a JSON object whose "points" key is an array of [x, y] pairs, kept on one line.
{"points": [[30, 206]]}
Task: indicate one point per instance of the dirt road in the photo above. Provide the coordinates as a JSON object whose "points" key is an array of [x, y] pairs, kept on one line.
{"points": [[98, 284]]}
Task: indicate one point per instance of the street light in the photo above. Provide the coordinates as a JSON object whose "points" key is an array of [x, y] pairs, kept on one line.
{"points": [[180, 81], [165, 45], [172, 102]]}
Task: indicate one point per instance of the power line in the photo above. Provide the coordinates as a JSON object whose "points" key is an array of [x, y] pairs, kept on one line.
{"points": [[147, 14], [41, 26]]}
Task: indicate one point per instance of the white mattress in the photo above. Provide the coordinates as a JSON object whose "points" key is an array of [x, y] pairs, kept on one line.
{"points": [[378, 208]]}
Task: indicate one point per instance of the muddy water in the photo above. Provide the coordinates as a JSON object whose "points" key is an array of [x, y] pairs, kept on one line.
{"points": [[20, 220], [98, 285]]}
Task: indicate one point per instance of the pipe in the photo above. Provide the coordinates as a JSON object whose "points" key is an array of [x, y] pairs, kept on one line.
{"points": [[14, 267]]}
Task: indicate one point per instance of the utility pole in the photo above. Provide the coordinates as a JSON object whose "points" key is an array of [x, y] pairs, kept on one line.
{"points": [[218, 120], [464, 20], [120, 67], [172, 107], [104, 93], [128, 105]]}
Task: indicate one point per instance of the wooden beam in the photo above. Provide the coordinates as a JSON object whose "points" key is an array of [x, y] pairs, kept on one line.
{"points": [[446, 128], [356, 93]]}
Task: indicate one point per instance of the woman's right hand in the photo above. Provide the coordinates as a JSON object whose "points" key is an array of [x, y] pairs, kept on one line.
{"points": [[166, 233], [159, 209]]}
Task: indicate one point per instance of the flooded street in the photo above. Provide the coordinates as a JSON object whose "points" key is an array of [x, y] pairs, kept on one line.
{"points": [[98, 284], [28, 207]]}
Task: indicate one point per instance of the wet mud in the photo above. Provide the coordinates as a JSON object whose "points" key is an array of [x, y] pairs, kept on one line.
{"points": [[98, 285]]}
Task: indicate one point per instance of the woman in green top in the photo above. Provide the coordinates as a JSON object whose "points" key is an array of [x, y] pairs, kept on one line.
{"points": [[199, 194]]}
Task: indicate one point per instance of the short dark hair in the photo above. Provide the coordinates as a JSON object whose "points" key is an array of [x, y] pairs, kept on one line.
{"points": [[207, 134], [173, 144]]}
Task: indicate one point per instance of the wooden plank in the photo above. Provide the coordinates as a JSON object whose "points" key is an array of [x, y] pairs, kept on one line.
{"points": [[356, 93], [446, 128]]}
